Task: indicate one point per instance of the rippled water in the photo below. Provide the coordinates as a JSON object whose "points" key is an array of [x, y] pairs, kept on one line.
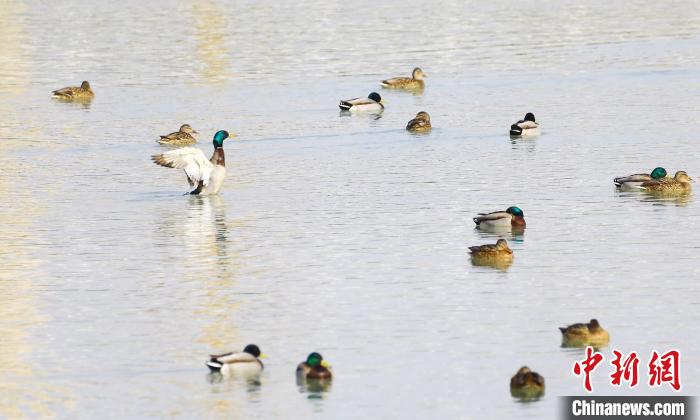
{"points": [[341, 234]]}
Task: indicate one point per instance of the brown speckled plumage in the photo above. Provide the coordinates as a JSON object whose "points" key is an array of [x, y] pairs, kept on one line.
{"points": [[414, 82], [72, 92]]}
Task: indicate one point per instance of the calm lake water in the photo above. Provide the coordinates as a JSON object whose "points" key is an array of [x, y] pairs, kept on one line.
{"points": [[340, 234]]}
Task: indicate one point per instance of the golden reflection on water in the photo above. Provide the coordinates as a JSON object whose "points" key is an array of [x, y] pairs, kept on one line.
{"points": [[211, 33], [22, 392]]}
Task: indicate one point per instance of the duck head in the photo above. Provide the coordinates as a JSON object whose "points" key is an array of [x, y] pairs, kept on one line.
{"points": [[593, 324], [219, 138], [658, 173], [375, 97], [315, 359], [418, 74], [502, 244], [682, 176], [254, 350], [515, 211], [185, 128], [85, 85], [423, 116], [530, 117]]}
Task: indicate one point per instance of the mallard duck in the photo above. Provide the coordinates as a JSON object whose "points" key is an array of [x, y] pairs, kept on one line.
{"points": [[413, 82], [526, 384], [512, 216], [315, 367], [207, 175], [247, 361], [525, 127], [582, 335], [636, 180], [373, 102], [499, 250], [72, 92], [420, 124], [181, 137], [680, 183]]}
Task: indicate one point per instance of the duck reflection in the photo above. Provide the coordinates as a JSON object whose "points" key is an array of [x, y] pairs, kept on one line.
{"points": [[657, 198], [372, 115], [514, 233]]}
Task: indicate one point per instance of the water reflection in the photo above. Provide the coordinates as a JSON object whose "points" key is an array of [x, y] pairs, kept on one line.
{"points": [[211, 31], [514, 233], [680, 200], [77, 102], [316, 388], [372, 115], [497, 263]]}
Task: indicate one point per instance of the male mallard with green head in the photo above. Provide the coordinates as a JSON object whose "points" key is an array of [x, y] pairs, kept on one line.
{"points": [[373, 102], [73, 92], [245, 362], [634, 181], [414, 82], [420, 124], [179, 138], [512, 216], [525, 127], [582, 335], [526, 384], [315, 367], [207, 175], [679, 184]]}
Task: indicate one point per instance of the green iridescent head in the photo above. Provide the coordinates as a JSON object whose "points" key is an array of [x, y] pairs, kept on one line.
{"points": [[219, 138], [515, 211], [315, 359], [658, 173]]}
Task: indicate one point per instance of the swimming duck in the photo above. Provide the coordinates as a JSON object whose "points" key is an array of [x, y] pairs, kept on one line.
{"points": [[499, 250], [181, 137], [582, 335], [525, 127], [420, 124], [73, 92], [527, 384], [512, 216], [207, 175], [315, 367], [247, 361], [373, 102], [636, 180], [680, 183], [413, 82]]}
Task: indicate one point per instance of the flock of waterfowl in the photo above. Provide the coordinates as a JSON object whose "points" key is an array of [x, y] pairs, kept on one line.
{"points": [[206, 176]]}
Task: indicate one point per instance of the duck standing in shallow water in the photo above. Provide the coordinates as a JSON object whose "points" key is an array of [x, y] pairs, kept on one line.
{"points": [[420, 124], [315, 367], [207, 175], [414, 82], [245, 362], [373, 102], [679, 184], [511, 217], [582, 335], [525, 127], [179, 138], [527, 384], [636, 180], [73, 92]]}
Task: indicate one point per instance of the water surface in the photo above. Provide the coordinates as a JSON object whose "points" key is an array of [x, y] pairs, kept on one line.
{"points": [[341, 234]]}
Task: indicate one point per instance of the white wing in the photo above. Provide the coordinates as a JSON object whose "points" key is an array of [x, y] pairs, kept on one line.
{"points": [[197, 167]]}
